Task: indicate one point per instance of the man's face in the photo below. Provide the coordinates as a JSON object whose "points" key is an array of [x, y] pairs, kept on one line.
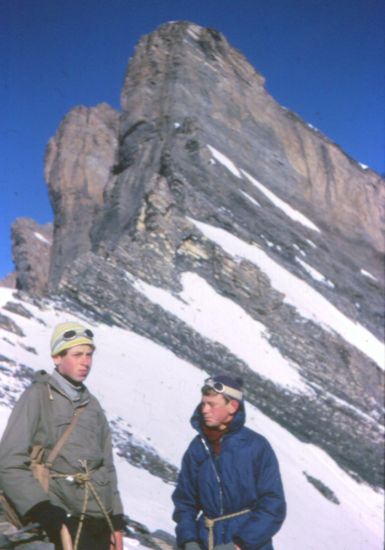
{"points": [[76, 364], [216, 411]]}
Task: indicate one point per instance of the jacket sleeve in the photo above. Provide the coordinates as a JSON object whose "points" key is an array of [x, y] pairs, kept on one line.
{"points": [[16, 478], [117, 507], [266, 519], [185, 498]]}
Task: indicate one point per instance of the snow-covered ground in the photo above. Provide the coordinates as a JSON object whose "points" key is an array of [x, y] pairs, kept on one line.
{"points": [[155, 393], [223, 321]]}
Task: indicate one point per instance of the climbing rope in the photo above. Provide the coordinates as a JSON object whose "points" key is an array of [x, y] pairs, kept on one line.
{"points": [[210, 522], [84, 478]]}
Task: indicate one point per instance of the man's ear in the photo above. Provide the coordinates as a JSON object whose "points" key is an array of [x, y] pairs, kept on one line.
{"points": [[234, 406], [57, 360]]}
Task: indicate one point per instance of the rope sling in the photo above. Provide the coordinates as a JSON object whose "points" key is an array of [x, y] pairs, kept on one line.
{"points": [[84, 478], [42, 472], [210, 522]]}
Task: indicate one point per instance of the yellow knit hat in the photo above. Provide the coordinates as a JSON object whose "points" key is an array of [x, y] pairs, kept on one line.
{"points": [[69, 334]]}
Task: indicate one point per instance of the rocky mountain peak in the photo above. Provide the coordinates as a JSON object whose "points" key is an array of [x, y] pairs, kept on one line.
{"points": [[204, 179], [187, 88], [177, 59]]}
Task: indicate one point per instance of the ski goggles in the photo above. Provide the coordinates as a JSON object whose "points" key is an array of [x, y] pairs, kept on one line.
{"points": [[73, 333], [219, 387], [78, 335]]}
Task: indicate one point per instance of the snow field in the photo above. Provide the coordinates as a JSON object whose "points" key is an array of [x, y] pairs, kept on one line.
{"points": [[155, 393], [309, 303]]}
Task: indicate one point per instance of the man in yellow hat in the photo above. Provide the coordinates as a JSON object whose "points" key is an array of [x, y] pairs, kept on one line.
{"points": [[66, 429]]}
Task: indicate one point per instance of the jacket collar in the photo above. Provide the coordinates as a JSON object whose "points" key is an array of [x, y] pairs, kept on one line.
{"points": [[42, 377], [75, 393]]}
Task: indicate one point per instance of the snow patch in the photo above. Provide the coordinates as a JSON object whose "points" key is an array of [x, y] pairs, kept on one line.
{"points": [[145, 496], [250, 198], [223, 321], [282, 205], [316, 275], [270, 244], [310, 303], [299, 249], [313, 245], [41, 238], [279, 203], [313, 127], [220, 157], [368, 275]]}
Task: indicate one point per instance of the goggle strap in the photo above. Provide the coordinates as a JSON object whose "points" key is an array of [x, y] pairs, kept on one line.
{"points": [[231, 392], [227, 390], [77, 334]]}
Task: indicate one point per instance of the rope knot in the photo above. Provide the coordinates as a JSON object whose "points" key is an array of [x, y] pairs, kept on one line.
{"points": [[209, 523], [81, 478]]}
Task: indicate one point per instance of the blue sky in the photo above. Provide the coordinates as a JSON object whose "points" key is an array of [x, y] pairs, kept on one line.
{"points": [[323, 59]]}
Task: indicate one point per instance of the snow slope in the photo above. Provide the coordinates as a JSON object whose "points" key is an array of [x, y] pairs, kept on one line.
{"points": [[310, 303], [155, 392]]}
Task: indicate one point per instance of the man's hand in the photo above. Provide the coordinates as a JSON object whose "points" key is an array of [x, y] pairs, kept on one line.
{"points": [[119, 523], [50, 517], [116, 541]]}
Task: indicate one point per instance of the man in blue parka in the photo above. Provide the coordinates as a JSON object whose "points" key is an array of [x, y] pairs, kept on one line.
{"points": [[229, 493]]}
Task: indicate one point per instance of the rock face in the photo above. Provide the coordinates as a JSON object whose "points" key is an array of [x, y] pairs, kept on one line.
{"points": [[187, 76], [9, 281], [186, 88], [78, 167], [31, 254], [200, 140]]}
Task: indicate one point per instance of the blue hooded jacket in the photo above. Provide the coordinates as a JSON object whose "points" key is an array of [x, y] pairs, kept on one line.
{"points": [[245, 475]]}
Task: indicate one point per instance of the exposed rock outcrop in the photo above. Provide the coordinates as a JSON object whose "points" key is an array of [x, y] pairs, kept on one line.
{"points": [[78, 169], [31, 254], [9, 281]]}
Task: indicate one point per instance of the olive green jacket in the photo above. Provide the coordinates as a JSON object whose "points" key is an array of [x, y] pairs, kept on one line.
{"points": [[39, 418]]}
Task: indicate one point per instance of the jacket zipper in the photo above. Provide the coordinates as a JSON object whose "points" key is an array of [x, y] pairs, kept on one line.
{"points": [[217, 476]]}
